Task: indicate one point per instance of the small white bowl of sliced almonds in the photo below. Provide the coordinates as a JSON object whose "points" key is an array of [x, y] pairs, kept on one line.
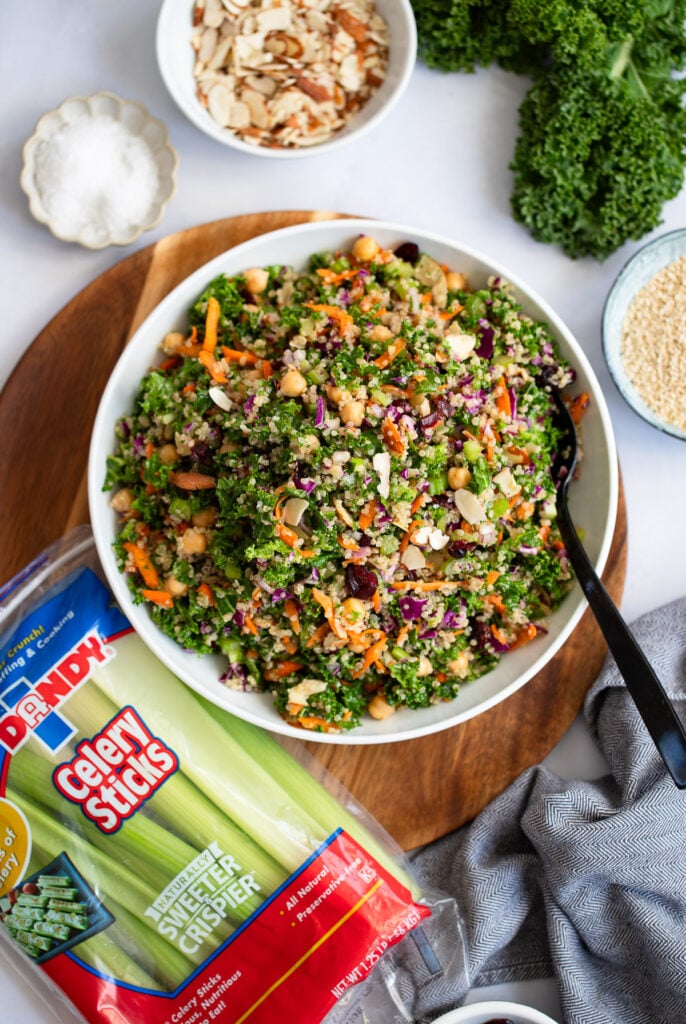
{"points": [[286, 80]]}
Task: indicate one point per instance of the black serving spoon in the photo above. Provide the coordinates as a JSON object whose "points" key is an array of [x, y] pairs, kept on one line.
{"points": [[649, 696]]}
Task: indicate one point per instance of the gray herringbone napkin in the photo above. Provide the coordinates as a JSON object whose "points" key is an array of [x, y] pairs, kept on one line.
{"points": [[583, 880]]}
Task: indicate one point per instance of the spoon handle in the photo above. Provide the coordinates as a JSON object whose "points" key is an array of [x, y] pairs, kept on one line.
{"points": [[649, 696]]}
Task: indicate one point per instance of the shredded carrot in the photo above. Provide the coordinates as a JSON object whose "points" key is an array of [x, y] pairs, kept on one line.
{"points": [[188, 389], [544, 532], [213, 367], [313, 722], [525, 510], [426, 298], [393, 350], [371, 657], [502, 399], [206, 590], [159, 597], [250, 625], [144, 564], [349, 545], [491, 577], [519, 455], [289, 644], [417, 503], [376, 601], [343, 319], [578, 406], [170, 364], [192, 481], [235, 355], [329, 276], [448, 314], [287, 535], [400, 639], [318, 634], [497, 602], [392, 437], [524, 636], [498, 634], [441, 677], [307, 553], [408, 534], [425, 587], [149, 449], [367, 515], [327, 604], [267, 369], [286, 668], [291, 609], [211, 323]]}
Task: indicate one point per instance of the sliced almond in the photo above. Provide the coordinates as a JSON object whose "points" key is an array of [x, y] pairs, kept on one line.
{"points": [[255, 102], [412, 558], [469, 506], [293, 511], [219, 101]]}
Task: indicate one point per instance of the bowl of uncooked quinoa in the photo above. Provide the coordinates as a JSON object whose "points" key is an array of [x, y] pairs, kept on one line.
{"points": [[322, 481], [99, 170], [286, 80], [644, 333]]}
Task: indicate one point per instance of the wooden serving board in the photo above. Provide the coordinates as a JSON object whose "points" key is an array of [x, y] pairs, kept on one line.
{"points": [[417, 789]]}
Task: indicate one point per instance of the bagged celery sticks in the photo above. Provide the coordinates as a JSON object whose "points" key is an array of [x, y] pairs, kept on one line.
{"points": [[160, 860]]}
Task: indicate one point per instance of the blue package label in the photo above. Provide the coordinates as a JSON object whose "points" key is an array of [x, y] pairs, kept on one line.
{"points": [[50, 655]]}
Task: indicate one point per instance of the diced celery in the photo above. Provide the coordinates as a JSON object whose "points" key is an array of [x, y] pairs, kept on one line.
{"points": [[471, 450]]}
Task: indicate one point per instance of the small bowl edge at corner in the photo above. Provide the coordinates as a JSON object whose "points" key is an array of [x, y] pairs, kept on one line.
{"points": [[166, 158], [483, 1012], [638, 270]]}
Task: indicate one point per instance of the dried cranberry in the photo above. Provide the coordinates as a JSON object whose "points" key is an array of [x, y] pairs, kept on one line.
{"points": [[408, 251], [202, 454], [459, 548], [360, 581]]}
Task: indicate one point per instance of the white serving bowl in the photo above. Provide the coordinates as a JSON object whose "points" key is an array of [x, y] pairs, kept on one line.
{"points": [[148, 131], [634, 275], [593, 497], [483, 1013], [176, 59]]}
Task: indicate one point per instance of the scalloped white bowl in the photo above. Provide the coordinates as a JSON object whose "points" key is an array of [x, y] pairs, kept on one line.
{"points": [[175, 59], [593, 498], [140, 123]]}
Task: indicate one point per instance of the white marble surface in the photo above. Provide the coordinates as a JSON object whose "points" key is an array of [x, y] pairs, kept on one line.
{"points": [[439, 162]]}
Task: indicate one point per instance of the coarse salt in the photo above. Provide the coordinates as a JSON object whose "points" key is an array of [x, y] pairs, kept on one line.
{"points": [[96, 176]]}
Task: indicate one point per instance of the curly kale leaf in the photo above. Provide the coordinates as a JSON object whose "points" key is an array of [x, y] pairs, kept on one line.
{"points": [[596, 159], [461, 35]]}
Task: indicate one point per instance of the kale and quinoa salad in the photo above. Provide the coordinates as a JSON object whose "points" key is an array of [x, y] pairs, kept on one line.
{"points": [[343, 480]]}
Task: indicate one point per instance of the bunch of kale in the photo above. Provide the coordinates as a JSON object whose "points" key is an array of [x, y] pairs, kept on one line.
{"points": [[602, 130]]}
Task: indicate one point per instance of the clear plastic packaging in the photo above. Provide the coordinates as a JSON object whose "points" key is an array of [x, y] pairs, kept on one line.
{"points": [[163, 861]]}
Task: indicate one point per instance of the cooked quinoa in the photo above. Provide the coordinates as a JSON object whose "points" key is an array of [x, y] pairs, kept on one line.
{"points": [[343, 480]]}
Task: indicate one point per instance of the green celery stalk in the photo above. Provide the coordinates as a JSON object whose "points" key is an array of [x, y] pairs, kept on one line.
{"points": [[103, 872], [329, 812], [103, 954], [236, 783], [182, 807]]}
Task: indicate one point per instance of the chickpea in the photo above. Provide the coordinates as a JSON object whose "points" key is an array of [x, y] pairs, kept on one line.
{"points": [[379, 707], [425, 667], [205, 518], [380, 333], [458, 477], [420, 403], [337, 395], [352, 413], [194, 542], [455, 280], [168, 454], [365, 249], [354, 610], [175, 587], [122, 500], [459, 666], [173, 342], [256, 280], [292, 384]]}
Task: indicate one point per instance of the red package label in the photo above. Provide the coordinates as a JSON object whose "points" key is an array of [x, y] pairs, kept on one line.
{"points": [[320, 933]]}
